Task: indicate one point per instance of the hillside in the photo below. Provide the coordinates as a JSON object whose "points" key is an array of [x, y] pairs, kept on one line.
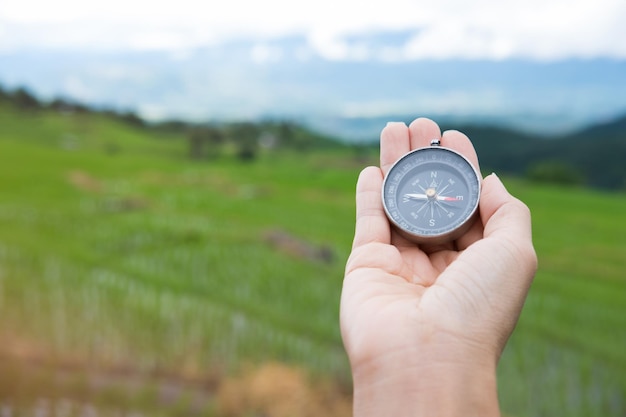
{"points": [[135, 277], [593, 157]]}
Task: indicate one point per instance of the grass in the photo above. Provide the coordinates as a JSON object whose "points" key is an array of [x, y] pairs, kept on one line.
{"points": [[117, 251], [567, 356]]}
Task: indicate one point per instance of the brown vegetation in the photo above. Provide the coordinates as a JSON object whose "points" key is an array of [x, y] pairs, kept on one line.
{"points": [[278, 390], [84, 181], [297, 247], [30, 375]]}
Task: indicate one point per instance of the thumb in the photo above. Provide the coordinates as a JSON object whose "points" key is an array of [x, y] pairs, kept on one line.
{"points": [[507, 230], [503, 215], [502, 264]]}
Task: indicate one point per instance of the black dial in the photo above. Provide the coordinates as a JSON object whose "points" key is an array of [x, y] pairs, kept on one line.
{"points": [[431, 194]]}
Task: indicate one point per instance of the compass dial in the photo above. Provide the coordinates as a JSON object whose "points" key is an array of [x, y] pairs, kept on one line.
{"points": [[431, 194]]}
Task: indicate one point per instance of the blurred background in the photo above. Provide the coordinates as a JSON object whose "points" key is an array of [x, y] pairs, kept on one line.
{"points": [[177, 186]]}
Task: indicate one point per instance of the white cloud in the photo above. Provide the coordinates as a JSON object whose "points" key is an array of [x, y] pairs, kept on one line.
{"points": [[264, 53], [480, 29], [77, 88]]}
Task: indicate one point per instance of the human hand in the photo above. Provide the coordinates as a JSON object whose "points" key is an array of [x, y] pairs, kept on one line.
{"points": [[423, 326]]}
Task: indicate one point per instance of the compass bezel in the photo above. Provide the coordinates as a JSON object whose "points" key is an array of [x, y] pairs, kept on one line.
{"points": [[416, 162]]}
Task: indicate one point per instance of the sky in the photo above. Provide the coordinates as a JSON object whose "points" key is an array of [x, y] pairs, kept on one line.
{"points": [[544, 30], [549, 64]]}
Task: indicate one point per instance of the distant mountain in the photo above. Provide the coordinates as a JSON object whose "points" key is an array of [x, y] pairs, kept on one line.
{"points": [[607, 130], [284, 78], [367, 129], [593, 156]]}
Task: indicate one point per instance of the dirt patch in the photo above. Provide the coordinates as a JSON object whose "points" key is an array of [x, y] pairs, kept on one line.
{"points": [[298, 247], [278, 390], [29, 376], [29, 373], [84, 181], [125, 204]]}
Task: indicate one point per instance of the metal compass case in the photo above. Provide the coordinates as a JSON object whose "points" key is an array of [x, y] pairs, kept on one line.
{"points": [[431, 194]]}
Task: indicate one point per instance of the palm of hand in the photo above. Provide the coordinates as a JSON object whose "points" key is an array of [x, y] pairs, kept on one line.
{"points": [[406, 300]]}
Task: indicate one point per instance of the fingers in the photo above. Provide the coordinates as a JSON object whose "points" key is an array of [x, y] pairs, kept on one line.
{"points": [[371, 223], [394, 142], [397, 139], [422, 131], [459, 142]]}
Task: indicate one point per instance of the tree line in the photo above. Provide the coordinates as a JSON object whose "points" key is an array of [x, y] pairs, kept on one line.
{"points": [[594, 157], [210, 140]]}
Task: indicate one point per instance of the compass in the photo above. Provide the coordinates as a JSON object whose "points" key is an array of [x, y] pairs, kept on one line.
{"points": [[431, 194]]}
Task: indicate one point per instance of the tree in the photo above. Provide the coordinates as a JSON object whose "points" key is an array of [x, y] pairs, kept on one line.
{"points": [[197, 140], [131, 118], [4, 94], [24, 99], [245, 137], [205, 141], [555, 172]]}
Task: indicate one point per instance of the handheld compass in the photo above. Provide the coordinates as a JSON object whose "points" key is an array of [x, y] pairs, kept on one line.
{"points": [[431, 194]]}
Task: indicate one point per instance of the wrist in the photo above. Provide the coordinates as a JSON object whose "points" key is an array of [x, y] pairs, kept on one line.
{"points": [[428, 387]]}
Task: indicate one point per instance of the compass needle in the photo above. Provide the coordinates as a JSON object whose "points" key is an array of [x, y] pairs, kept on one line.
{"points": [[415, 197], [447, 199]]}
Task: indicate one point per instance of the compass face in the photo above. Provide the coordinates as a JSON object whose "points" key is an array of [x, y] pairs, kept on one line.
{"points": [[431, 194]]}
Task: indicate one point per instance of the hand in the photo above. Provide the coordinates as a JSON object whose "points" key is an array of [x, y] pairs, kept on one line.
{"points": [[424, 327]]}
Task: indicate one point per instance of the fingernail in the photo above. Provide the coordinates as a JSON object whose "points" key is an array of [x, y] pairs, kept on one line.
{"points": [[497, 178], [389, 124]]}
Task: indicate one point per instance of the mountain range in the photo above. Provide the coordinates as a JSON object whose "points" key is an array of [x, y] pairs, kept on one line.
{"points": [[592, 156], [352, 99]]}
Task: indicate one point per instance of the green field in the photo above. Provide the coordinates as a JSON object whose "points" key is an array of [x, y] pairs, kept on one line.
{"points": [[117, 252]]}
